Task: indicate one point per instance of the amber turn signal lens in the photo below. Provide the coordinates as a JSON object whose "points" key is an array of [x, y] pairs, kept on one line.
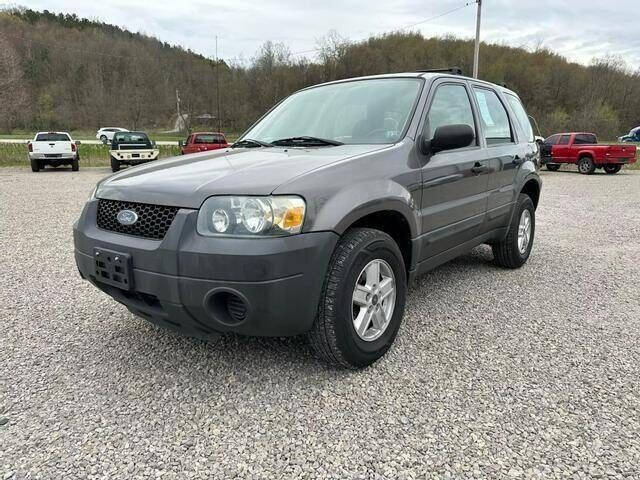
{"points": [[293, 218]]}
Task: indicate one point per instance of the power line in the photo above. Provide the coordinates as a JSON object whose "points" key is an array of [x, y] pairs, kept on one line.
{"points": [[435, 17]]}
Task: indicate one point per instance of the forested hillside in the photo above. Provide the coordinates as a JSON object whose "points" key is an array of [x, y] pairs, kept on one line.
{"points": [[64, 72]]}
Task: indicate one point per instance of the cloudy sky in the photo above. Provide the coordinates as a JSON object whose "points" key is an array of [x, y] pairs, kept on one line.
{"points": [[578, 30]]}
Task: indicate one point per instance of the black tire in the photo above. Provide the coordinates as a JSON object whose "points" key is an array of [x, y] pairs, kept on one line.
{"points": [[586, 166], [75, 164], [507, 253], [103, 139], [553, 167], [612, 169], [35, 165], [333, 335], [115, 165]]}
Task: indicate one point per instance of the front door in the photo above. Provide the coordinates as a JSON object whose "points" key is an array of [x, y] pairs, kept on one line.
{"points": [[454, 182]]}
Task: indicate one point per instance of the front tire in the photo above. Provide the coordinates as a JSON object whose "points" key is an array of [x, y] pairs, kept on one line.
{"points": [[612, 169], [586, 166], [115, 165], [35, 165], [514, 250], [75, 164], [356, 323]]}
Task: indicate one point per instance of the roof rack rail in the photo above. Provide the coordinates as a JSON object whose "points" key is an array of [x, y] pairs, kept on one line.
{"points": [[451, 70]]}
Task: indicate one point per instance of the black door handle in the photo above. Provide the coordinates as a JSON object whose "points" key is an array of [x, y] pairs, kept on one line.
{"points": [[478, 168]]}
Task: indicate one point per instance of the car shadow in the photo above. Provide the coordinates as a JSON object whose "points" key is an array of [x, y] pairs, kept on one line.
{"points": [[240, 355]]}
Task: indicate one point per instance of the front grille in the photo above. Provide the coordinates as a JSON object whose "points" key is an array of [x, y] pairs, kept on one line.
{"points": [[153, 220]]}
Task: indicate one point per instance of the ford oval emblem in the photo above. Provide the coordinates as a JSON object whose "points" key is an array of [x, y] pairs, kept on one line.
{"points": [[127, 217]]}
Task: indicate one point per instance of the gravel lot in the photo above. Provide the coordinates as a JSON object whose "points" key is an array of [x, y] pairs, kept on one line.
{"points": [[495, 374]]}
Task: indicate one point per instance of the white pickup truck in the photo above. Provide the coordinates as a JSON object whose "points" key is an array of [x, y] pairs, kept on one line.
{"points": [[54, 149]]}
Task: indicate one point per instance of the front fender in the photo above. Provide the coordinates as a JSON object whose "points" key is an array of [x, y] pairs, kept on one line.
{"points": [[350, 204]]}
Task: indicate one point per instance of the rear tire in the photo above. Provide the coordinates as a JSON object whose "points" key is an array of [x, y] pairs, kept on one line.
{"points": [[334, 336], [115, 165], [586, 166], [75, 164], [103, 139], [35, 165], [511, 252], [553, 167], [612, 169]]}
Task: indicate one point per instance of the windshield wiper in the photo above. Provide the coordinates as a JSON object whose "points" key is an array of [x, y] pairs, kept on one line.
{"points": [[305, 141], [251, 143]]}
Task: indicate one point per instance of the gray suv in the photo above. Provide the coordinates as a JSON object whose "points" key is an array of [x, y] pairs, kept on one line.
{"points": [[317, 219]]}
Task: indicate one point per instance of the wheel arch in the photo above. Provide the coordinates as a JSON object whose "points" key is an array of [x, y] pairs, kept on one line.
{"points": [[396, 225], [532, 188]]}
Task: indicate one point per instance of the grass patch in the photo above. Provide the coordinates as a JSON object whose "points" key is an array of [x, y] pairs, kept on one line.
{"points": [[15, 154]]}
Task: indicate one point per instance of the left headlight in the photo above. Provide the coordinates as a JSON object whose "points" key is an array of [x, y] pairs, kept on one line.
{"points": [[251, 216]]}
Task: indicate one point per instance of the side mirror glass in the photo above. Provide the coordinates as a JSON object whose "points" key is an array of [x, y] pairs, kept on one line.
{"points": [[450, 137]]}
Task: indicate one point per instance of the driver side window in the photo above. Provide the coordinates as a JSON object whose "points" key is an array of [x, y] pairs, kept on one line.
{"points": [[450, 106]]}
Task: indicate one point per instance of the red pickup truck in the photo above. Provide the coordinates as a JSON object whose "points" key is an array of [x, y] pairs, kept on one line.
{"points": [[203, 141], [582, 149]]}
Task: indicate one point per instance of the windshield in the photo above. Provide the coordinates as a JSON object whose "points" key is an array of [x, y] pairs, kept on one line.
{"points": [[362, 111], [52, 137]]}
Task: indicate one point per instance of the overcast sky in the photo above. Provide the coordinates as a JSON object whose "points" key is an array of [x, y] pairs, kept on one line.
{"points": [[578, 30]]}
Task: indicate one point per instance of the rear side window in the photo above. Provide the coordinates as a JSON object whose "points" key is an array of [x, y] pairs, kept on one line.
{"points": [[585, 139], [52, 137], [494, 117], [564, 140], [450, 106], [552, 140], [521, 116]]}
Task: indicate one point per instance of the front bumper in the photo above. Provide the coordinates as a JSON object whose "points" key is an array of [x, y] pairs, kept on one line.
{"points": [[182, 281]]}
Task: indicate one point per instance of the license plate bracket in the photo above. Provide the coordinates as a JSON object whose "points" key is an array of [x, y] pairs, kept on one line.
{"points": [[113, 268]]}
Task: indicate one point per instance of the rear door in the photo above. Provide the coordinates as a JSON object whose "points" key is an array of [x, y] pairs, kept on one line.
{"points": [[562, 150], [502, 151], [454, 185]]}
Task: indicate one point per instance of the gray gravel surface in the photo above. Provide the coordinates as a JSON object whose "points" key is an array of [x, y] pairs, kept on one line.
{"points": [[495, 374]]}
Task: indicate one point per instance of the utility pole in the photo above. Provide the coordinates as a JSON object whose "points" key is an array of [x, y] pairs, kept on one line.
{"points": [[218, 87], [476, 52], [180, 123]]}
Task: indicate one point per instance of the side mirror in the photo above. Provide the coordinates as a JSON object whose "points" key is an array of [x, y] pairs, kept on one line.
{"points": [[450, 137], [153, 144], [78, 142], [180, 143]]}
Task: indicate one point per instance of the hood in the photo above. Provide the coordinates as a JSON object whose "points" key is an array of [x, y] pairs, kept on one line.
{"points": [[187, 181]]}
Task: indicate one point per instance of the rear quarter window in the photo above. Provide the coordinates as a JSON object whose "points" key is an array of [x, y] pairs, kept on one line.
{"points": [[494, 117], [521, 117], [585, 139]]}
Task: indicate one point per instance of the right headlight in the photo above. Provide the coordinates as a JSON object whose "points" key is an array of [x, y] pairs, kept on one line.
{"points": [[251, 216]]}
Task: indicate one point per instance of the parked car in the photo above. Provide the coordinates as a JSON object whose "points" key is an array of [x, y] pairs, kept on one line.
{"points": [[582, 149], [202, 142], [53, 149], [632, 136], [105, 134], [319, 216], [131, 148]]}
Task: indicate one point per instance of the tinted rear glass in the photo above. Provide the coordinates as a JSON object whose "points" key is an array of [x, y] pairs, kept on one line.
{"points": [[209, 138], [52, 137], [130, 137]]}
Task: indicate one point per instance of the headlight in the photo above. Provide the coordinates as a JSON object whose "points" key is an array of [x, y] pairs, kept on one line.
{"points": [[251, 216]]}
